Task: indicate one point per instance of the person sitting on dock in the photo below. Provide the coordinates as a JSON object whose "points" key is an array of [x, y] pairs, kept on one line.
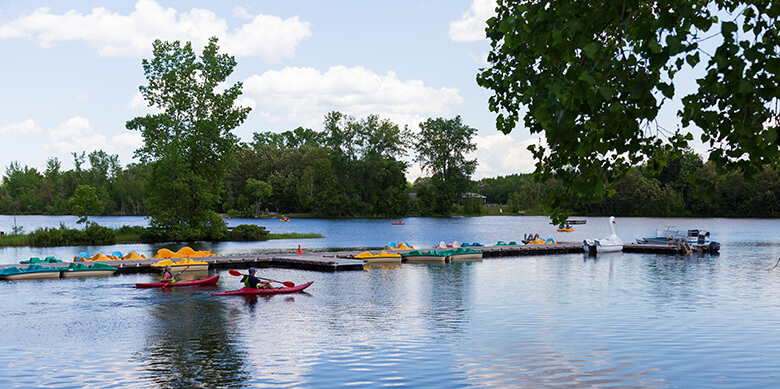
{"points": [[251, 281]]}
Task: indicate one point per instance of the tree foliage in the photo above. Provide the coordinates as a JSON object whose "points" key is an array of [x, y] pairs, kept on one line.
{"points": [[442, 146], [189, 144], [85, 202], [592, 77], [260, 190]]}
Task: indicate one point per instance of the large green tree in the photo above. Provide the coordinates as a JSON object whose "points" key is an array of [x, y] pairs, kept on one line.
{"points": [[189, 144], [442, 146], [593, 76]]}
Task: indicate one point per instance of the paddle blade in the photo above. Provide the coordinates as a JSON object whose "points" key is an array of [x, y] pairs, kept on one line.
{"points": [[288, 284], [235, 273]]}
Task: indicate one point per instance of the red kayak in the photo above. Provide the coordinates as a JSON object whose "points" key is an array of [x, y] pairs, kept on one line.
{"points": [[200, 282], [252, 291]]}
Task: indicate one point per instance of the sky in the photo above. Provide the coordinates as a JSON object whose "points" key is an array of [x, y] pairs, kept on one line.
{"points": [[71, 70]]}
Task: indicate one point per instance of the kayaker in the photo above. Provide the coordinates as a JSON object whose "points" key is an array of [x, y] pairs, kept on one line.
{"points": [[251, 281], [168, 274]]}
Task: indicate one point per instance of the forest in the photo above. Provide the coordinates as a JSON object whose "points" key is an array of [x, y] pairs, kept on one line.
{"points": [[320, 175]]}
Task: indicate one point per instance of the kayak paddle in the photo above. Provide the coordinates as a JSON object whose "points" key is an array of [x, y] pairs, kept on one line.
{"points": [[288, 284], [177, 274]]}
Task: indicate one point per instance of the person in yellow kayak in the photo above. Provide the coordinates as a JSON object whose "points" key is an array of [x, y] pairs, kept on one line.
{"points": [[250, 281]]}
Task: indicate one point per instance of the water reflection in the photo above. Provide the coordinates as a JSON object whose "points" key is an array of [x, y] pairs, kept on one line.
{"points": [[451, 286], [191, 344], [625, 320], [681, 282]]}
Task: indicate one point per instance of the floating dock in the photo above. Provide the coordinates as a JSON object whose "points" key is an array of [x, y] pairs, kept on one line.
{"points": [[345, 260]]}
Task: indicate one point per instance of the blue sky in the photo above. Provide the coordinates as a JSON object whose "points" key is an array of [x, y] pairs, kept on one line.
{"points": [[71, 70]]}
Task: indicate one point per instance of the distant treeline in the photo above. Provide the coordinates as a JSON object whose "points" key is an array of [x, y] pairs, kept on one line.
{"points": [[672, 193], [331, 178]]}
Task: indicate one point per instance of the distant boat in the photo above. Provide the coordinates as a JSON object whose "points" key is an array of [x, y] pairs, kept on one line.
{"points": [[607, 244], [397, 223]]}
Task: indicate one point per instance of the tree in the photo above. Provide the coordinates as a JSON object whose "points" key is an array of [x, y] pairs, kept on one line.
{"points": [[442, 145], [593, 77], [260, 190], [189, 145], [22, 184], [85, 202], [367, 153]]}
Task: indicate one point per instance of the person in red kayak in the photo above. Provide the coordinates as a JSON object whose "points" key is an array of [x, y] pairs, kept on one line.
{"points": [[168, 274], [251, 281]]}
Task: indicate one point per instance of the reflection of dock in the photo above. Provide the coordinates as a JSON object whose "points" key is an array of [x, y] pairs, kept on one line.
{"points": [[344, 260]]}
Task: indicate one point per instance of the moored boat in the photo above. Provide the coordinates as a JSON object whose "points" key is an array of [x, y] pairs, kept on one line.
{"points": [[696, 239], [542, 241], [432, 256], [611, 243], [445, 245], [97, 269], [201, 282], [32, 272], [502, 243], [398, 246], [38, 260], [463, 255], [184, 252], [181, 265], [383, 257], [246, 291]]}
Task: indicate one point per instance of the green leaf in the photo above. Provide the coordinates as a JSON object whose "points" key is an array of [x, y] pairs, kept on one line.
{"points": [[590, 49], [728, 28], [587, 77]]}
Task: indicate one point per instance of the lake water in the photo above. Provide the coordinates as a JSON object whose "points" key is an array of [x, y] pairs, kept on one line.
{"points": [[625, 320]]}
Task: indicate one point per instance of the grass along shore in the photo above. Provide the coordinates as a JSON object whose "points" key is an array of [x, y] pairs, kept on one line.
{"points": [[24, 240]]}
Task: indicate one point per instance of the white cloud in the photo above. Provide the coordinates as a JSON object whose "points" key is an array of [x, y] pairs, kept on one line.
{"points": [[241, 13], [130, 140], [501, 155], [75, 135], [471, 26], [246, 102], [117, 35], [138, 103], [26, 127], [305, 95]]}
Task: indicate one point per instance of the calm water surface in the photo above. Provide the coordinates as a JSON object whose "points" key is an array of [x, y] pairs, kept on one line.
{"points": [[624, 320]]}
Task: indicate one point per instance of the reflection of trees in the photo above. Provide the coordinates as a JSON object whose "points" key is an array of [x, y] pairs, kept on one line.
{"points": [[449, 285], [190, 344]]}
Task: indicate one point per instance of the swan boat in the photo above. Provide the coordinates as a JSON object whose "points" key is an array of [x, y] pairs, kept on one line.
{"points": [[611, 243]]}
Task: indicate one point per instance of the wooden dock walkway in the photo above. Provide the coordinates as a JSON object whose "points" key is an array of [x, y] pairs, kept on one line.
{"points": [[344, 260]]}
